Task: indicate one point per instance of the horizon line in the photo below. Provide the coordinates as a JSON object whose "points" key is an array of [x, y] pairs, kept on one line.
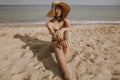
{"points": [[50, 5]]}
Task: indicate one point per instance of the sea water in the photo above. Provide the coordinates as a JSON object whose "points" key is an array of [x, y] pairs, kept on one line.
{"points": [[36, 14]]}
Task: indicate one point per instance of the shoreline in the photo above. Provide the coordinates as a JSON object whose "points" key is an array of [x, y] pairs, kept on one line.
{"points": [[37, 26], [43, 25], [27, 23]]}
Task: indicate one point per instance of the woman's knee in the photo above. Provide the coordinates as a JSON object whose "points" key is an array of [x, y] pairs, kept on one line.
{"points": [[67, 33], [68, 36]]}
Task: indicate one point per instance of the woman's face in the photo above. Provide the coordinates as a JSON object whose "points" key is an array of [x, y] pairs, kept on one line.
{"points": [[58, 11]]}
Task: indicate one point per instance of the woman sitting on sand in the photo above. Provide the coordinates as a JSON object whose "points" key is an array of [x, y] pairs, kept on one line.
{"points": [[59, 28]]}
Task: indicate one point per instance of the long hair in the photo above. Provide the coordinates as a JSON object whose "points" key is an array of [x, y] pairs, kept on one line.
{"points": [[62, 16]]}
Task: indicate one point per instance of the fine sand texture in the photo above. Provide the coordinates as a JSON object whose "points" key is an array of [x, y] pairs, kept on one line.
{"points": [[25, 53]]}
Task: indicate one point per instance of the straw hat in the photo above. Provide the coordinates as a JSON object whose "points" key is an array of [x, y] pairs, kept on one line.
{"points": [[65, 6]]}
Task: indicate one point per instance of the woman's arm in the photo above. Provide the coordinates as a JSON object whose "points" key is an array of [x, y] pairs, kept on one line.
{"points": [[67, 25], [50, 28], [63, 29]]}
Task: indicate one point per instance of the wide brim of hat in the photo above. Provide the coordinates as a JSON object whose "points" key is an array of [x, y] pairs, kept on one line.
{"points": [[51, 13], [66, 7]]}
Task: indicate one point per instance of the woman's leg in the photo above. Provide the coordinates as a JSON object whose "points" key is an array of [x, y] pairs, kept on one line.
{"points": [[67, 36], [62, 61]]}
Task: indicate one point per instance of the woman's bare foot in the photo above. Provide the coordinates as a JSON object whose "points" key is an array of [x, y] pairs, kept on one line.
{"points": [[68, 76]]}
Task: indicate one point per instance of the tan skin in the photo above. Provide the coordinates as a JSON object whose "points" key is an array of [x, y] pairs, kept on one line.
{"points": [[62, 35]]}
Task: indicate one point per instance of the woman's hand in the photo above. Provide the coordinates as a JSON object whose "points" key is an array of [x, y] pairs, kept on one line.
{"points": [[64, 43], [54, 35]]}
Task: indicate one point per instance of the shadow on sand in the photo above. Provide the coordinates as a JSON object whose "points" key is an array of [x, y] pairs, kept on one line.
{"points": [[41, 50]]}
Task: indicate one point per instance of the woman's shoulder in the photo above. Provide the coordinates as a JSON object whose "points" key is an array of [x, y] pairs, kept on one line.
{"points": [[50, 22], [66, 20]]}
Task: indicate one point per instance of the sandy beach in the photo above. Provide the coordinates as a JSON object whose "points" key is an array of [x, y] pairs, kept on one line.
{"points": [[25, 53]]}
